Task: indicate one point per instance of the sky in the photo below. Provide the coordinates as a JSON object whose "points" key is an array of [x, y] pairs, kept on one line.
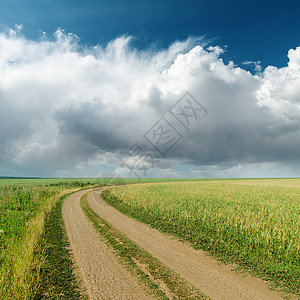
{"points": [[150, 88]]}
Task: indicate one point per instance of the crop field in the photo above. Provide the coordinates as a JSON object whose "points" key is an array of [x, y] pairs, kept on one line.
{"points": [[253, 224]]}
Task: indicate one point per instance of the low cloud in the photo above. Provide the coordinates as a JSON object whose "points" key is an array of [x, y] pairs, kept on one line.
{"points": [[70, 109]]}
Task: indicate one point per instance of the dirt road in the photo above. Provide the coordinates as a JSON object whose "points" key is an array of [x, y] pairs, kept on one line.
{"points": [[104, 278], [102, 275]]}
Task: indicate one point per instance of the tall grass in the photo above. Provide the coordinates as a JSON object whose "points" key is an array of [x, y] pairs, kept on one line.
{"points": [[23, 210], [255, 224]]}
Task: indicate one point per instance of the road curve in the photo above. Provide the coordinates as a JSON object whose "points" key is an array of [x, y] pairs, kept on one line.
{"points": [[101, 274], [214, 280]]}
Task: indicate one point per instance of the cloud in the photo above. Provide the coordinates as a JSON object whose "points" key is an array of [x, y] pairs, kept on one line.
{"points": [[256, 64], [69, 109]]}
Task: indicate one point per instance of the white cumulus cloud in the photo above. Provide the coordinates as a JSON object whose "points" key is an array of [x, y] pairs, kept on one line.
{"points": [[67, 108]]}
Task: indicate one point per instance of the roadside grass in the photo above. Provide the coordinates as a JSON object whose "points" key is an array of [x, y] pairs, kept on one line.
{"points": [[21, 223], [156, 278], [23, 211], [56, 279], [254, 224]]}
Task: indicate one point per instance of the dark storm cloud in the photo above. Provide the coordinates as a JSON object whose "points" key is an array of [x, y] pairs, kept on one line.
{"points": [[107, 131]]}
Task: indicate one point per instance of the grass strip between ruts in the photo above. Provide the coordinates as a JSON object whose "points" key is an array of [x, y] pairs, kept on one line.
{"points": [[154, 276]]}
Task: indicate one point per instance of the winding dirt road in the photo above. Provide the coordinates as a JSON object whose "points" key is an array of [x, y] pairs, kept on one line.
{"points": [[102, 275], [104, 278]]}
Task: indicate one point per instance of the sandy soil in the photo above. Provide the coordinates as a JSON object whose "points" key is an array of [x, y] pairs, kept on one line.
{"points": [[101, 274]]}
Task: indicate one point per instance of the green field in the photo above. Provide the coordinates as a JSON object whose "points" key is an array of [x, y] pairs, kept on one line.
{"points": [[44, 181], [72, 181], [254, 224], [24, 207]]}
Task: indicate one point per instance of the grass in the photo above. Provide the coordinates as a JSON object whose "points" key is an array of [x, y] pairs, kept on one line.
{"points": [[157, 279], [21, 223], [252, 223], [56, 279], [46, 181], [23, 211]]}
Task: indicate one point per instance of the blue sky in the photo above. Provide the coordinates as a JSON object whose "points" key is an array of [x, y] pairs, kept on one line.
{"points": [[74, 100], [251, 29]]}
